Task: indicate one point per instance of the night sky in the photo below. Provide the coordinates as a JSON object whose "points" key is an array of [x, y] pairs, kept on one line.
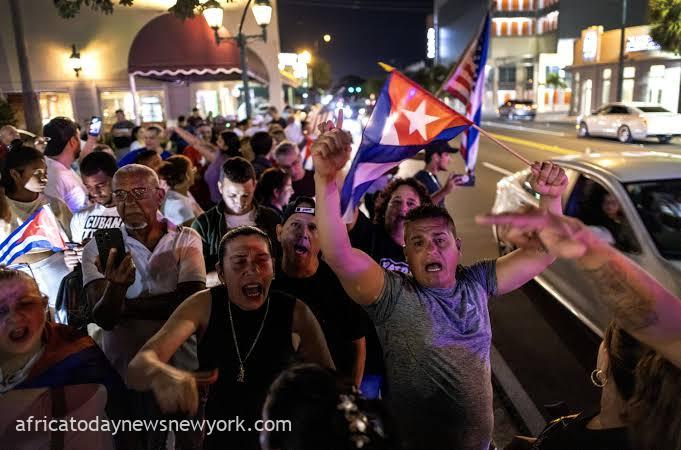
{"points": [[382, 30]]}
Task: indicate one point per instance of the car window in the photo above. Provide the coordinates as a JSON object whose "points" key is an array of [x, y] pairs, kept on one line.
{"points": [[602, 110], [602, 211], [659, 205], [616, 109], [652, 109]]}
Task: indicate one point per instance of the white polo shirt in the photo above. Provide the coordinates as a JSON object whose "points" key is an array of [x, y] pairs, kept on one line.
{"points": [[64, 184], [177, 258]]}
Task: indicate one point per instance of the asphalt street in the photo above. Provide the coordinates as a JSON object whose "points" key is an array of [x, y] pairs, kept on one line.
{"points": [[550, 353]]}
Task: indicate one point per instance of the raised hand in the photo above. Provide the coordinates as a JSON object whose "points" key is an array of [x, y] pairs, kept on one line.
{"points": [[175, 391], [123, 274], [548, 179], [331, 151], [561, 236]]}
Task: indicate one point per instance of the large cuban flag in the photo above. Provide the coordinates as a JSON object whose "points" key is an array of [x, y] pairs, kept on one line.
{"points": [[40, 231], [406, 117]]}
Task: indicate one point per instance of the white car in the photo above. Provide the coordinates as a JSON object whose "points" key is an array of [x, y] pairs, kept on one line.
{"points": [[642, 188], [630, 121]]}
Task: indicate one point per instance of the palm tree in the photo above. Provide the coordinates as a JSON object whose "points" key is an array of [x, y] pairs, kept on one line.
{"points": [[554, 81], [665, 17]]}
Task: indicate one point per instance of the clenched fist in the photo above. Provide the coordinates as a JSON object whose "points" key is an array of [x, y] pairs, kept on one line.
{"points": [[331, 151]]}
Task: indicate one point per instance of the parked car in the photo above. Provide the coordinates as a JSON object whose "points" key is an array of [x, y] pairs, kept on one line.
{"points": [[518, 109], [630, 121], [645, 187]]}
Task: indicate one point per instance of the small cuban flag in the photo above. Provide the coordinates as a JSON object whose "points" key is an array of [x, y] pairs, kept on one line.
{"points": [[405, 119], [40, 231]]}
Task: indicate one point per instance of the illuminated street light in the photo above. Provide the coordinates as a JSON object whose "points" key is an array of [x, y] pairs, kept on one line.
{"points": [[305, 56], [74, 60], [327, 38]]}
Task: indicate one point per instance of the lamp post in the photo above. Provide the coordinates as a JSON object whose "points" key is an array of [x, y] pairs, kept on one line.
{"points": [[74, 60], [262, 10]]}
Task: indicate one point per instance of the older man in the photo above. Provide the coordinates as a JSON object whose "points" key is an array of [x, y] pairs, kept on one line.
{"points": [[434, 323], [163, 266], [301, 273]]}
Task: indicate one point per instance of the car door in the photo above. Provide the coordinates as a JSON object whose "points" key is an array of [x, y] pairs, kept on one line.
{"points": [[616, 115], [596, 122], [567, 282]]}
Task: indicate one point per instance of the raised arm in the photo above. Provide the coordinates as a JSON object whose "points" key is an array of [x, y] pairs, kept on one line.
{"points": [[529, 260], [639, 303], [208, 151], [360, 275], [175, 389]]}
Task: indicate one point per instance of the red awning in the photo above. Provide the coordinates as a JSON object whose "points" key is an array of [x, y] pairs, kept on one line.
{"points": [[168, 48]]}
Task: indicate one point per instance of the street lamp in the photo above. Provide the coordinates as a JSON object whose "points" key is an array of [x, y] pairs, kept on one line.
{"points": [[327, 38], [74, 60], [262, 10]]}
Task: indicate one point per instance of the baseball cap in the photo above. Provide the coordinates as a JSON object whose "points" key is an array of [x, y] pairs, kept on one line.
{"points": [[299, 206], [439, 147], [59, 132]]}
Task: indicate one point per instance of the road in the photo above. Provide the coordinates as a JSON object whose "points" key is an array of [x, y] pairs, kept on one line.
{"points": [[548, 351]]}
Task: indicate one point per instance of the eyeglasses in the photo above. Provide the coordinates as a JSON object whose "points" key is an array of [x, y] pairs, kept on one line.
{"points": [[141, 193]]}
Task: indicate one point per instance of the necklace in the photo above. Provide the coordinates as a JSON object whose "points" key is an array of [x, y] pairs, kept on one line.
{"points": [[241, 377]]}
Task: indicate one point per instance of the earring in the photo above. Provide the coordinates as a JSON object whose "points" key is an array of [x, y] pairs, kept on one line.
{"points": [[598, 378]]}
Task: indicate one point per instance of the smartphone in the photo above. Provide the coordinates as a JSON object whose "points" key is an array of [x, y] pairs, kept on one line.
{"points": [[95, 126], [106, 239]]}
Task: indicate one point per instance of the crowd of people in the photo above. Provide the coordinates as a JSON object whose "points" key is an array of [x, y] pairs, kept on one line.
{"points": [[243, 294]]}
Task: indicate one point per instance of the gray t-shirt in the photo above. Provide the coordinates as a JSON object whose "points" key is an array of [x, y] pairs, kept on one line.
{"points": [[436, 345]]}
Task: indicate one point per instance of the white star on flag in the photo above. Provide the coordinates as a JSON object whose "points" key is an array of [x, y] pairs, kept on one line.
{"points": [[418, 119]]}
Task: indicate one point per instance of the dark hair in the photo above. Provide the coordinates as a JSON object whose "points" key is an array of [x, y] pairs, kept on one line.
{"points": [[195, 109], [238, 170], [284, 148], [383, 197], [119, 111], [437, 148], [18, 158], [241, 231], [174, 170], [309, 396], [181, 118], [261, 143], [270, 180], [430, 211], [624, 353], [96, 162], [135, 130], [60, 131], [232, 142], [144, 155], [158, 130]]}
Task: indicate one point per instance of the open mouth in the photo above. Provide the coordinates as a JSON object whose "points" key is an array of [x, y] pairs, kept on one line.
{"points": [[300, 249], [252, 290], [19, 334], [433, 267]]}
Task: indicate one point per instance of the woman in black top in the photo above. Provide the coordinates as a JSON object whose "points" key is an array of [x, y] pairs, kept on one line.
{"points": [[247, 335], [274, 190]]}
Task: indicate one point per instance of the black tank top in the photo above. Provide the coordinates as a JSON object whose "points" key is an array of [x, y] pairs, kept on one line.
{"points": [[273, 352]]}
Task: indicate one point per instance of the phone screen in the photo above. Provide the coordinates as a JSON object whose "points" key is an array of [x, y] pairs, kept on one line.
{"points": [[95, 126]]}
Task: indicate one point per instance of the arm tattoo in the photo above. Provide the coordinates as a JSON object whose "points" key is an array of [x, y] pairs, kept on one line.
{"points": [[631, 308]]}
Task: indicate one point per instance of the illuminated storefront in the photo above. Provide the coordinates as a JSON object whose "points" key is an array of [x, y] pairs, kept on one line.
{"points": [[649, 74]]}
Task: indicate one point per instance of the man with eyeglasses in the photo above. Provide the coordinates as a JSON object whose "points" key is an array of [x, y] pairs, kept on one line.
{"points": [[289, 160], [163, 265]]}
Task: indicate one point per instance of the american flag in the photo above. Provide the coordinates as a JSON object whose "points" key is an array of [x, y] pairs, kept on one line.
{"points": [[467, 83]]}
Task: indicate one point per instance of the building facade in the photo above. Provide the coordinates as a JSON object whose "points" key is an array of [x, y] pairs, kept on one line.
{"points": [[524, 49], [140, 59], [649, 74]]}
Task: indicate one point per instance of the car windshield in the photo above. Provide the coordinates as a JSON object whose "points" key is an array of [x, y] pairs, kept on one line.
{"points": [[650, 109], [522, 102], [659, 205]]}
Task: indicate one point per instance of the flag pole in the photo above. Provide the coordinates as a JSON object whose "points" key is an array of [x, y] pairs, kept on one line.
{"points": [[501, 144]]}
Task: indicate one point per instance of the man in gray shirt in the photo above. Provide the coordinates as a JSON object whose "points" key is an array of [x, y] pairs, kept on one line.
{"points": [[434, 323]]}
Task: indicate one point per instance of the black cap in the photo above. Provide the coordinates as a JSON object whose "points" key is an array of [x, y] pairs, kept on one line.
{"points": [[438, 147], [294, 207], [59, 132]]}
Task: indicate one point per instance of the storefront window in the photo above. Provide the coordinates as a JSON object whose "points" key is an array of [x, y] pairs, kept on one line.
{"points": [[55, 104], [628, 84], [111, 101], [152, 105], [605, 89], [207, 101], [656, 83]]}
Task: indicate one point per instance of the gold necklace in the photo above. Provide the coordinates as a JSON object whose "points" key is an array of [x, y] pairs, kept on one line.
{"points": [[241, 377]]}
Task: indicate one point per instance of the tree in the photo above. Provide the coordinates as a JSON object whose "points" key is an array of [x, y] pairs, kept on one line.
{"points": [[665, 18], [554, 81], [431, 78], [69, 9]]}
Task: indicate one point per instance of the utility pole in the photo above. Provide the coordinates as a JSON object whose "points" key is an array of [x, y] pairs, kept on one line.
{"points": [[620, 67], [30, 98]]}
